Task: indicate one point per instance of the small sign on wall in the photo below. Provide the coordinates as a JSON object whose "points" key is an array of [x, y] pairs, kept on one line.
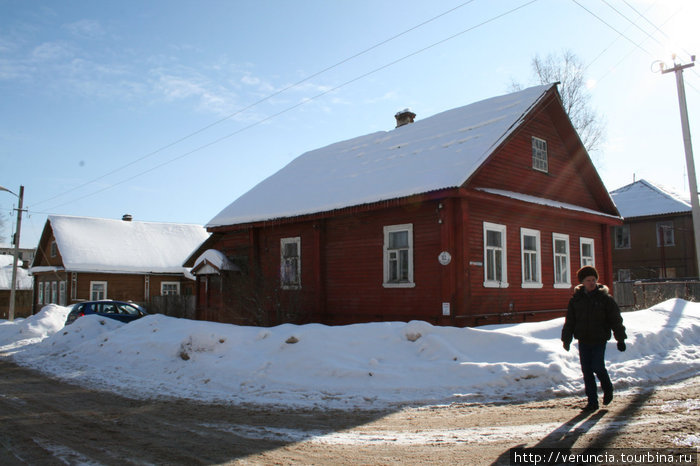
{"points": [[445, 309], [445, 258]]}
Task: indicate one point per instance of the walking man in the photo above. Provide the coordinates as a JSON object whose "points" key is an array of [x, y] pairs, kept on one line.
{"points": [[591, 317]]}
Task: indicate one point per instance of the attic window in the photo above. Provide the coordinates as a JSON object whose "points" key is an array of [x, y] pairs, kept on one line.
{"points": [[54, 249], [539, 155]]}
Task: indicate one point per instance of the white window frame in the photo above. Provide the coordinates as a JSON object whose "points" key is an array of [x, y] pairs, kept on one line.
{"points": [[285, 283], [668, 238], [54, 292], [40, 293], [559, 280], [528, 282], [625, 235], [62, 293], [391, 256], [93, 284], [169, 284], [491, 283], [587, 260], [540, 158], [47, 292]]}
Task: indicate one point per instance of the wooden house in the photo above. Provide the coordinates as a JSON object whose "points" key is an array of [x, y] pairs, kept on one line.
{"points": [[23, 288], [477, 215], [81, 258], [656, 239]]}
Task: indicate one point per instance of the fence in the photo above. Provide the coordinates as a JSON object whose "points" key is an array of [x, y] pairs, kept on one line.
{"points": [[173, 306], [631, 296]]}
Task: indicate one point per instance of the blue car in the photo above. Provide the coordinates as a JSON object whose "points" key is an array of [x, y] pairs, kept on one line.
{"points": [[117, 310]]}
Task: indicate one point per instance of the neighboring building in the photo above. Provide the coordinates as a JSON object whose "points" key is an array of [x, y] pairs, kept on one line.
{"points": [[23, 289], [80, 258], [476, 215], [656, 239], [26, 255]]}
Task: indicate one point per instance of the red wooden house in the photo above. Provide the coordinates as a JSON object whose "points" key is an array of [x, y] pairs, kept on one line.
{"points": [[476, 215]]}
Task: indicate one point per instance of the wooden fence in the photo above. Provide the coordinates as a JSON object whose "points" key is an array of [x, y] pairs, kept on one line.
{"points": [[173, 305], [631, 296]]}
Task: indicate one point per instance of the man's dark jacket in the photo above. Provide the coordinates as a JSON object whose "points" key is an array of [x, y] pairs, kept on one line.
{"points": [[592, 316]]}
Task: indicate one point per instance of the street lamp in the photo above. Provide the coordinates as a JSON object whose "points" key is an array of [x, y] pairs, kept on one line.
{"points": [[15, 240]]}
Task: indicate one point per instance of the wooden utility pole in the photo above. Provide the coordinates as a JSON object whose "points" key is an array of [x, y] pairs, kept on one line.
{"points": [[692, 180]]}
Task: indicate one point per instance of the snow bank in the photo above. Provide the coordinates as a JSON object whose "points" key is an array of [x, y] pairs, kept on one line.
{"points": [[361, 365]]}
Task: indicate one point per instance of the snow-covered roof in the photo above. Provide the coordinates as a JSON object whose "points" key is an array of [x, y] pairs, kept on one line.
{"points": [[215, 259], [24, 281], [643, 198], [107, 245], [438, 152], [544, 201]]}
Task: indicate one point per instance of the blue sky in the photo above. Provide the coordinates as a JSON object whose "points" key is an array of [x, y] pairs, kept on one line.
{"points": [[170, 110]]}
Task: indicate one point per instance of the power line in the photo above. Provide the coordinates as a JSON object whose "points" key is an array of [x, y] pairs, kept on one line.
{"points": [[303, 102], [258, 102]]}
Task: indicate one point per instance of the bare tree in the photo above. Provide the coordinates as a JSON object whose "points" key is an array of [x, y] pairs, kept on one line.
{"points": [[567, 69]]}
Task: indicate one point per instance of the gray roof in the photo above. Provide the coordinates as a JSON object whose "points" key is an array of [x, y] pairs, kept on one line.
{"points": [[643, 198]]}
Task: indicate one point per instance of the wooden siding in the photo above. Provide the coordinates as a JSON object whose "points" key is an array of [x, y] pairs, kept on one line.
{"points": [[645, 259], [342, 265], [569, 178]]}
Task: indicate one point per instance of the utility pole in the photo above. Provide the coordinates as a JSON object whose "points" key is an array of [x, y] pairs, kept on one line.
{"points": [[11, 314], [692, 180]]}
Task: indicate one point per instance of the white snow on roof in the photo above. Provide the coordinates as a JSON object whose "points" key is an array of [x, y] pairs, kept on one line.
{"points": [[216, 259], [24, 281], [434, 153], [107, 245], [643, 198], [544, 201]]}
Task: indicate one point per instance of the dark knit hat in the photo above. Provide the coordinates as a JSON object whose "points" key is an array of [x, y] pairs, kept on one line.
{"points": [[586, 271]]}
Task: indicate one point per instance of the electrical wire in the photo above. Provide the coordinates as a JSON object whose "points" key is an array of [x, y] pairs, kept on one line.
{"points": [[258, 102], [303, 102]]}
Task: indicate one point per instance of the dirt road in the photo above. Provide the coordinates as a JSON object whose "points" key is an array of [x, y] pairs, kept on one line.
{"points": [[46, 422]]}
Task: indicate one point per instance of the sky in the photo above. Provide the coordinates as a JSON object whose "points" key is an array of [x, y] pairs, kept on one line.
{"points": [[171, 110], [381, 365]]}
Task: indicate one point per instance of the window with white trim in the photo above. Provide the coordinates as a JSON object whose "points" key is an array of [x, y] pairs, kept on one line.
{"points": [[98, 290], [495, 266], [560, 246], [664, 234], [54, 292], [530, 254], [622, 236], [169, 288], [62, 293], [40, 293], [290, 263], [587, 251], [47, 292], [398, 256], [539, 155]]}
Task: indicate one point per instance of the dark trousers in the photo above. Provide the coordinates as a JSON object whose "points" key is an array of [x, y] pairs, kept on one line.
{"points": [[592, 358]]}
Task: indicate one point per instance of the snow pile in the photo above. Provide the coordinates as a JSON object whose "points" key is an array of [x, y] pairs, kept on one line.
{"points": [[361, 365]]}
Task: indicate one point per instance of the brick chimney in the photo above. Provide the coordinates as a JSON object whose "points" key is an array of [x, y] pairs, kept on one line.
{"points": [[404, 117]]}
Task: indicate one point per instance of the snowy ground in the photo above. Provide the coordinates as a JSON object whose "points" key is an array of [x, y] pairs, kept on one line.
{"points": [[355, 366]]}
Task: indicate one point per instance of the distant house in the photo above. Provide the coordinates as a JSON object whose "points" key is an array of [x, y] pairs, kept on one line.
{"points": [[81, 258], [656, 239], [23, 288], [476, 215]]}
